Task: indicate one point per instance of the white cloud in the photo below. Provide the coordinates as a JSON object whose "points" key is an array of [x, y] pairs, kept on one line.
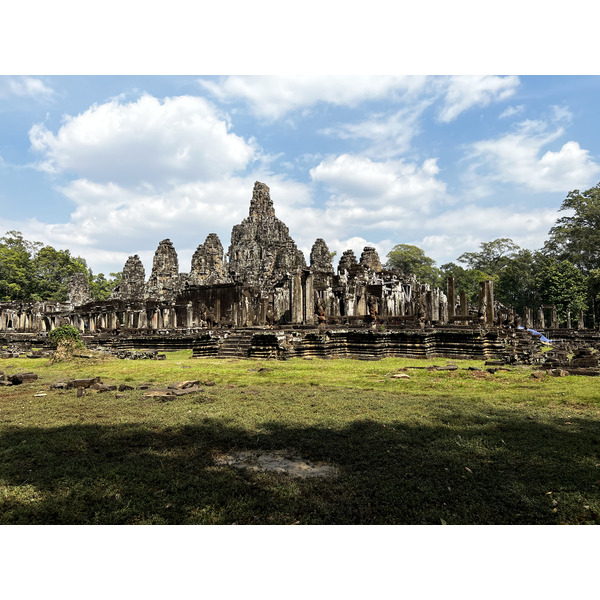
{"points": [[511, 111], [24, 87], [272, 97], [519, 158], [379, 187], [461, 230], [148, 140], [465, 91], [390, 134], [561, 114]]}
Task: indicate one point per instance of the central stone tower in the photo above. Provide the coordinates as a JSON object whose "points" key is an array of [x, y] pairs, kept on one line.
{"points": [[262, 251]]}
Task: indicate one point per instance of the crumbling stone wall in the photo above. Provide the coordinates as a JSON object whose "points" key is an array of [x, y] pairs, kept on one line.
{"points": [[78, 290]]}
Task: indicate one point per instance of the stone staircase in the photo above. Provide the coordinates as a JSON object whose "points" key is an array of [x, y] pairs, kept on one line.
{"points": [[236, 344]]}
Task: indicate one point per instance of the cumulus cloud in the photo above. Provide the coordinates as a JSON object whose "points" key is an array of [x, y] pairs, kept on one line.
{"points": [[464, 92], [24, 87], [272, 97], [519, 158], [390, 188], [148, 140]]}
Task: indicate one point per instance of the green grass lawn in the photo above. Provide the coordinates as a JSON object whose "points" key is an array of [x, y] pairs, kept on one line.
{"points": [[455, 447]]}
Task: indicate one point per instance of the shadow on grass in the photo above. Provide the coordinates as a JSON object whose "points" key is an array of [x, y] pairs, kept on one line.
{"points": [[486, 469]]}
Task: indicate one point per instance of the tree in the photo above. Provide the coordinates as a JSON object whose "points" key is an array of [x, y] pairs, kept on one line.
{"points": [[411, 259], [576, 237], [492, 257], [516, 285], [51, 271], [465, 280], [15, 266], [563, 284], [100, 287]]}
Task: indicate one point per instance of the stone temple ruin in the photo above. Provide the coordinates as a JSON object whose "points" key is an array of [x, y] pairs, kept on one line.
{"points": [[261, 299]]}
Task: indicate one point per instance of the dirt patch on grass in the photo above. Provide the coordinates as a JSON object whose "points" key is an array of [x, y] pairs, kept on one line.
{"points": [[278, 462]]}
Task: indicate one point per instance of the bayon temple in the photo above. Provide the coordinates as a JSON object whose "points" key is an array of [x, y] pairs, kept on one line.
{"points": [[261, 298]]}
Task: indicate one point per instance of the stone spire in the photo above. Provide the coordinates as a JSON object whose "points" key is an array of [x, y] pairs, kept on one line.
{"points": [[131, 286], [370, 259], [261, 204], [208, 267], [261, 250], [347, 262], [320, 257], [164, 280]]}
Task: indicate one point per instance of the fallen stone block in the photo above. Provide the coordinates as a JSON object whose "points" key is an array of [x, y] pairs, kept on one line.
{"points": [[86, 383], [163, 395], [19, 378], [123, 387], [62, 385], [185, 391], [181, 385], [101, 387]]}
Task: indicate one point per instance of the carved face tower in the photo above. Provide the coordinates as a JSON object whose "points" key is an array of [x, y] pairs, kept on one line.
{"points": [[262, 250]]}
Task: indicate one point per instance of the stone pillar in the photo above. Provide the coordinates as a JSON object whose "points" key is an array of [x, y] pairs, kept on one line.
{"points": [[464, 305], [296, 298], [309, 300], [489, 298], [554, 321], [568, 319], [189, 322], [429, 306], [218, 310], [481, 300], [541, 322], [580, 323], [435, 304], [361, 306], [451, 297]]}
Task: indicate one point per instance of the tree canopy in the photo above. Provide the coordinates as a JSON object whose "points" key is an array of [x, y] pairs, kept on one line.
{"points": [[411, 259], [576, 236], [32, 271]]}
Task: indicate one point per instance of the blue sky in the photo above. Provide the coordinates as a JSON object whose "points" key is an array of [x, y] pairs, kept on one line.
{"points": [[108, 166]]}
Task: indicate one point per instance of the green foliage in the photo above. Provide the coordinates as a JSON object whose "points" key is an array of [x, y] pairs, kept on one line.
{"points": [[576, 237], [31, 271], [101, 288], [516, 285], [465, 280], [492, 257], [15, 266], [51, 271], [563, 284], [411, 259], [65, 333]]}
